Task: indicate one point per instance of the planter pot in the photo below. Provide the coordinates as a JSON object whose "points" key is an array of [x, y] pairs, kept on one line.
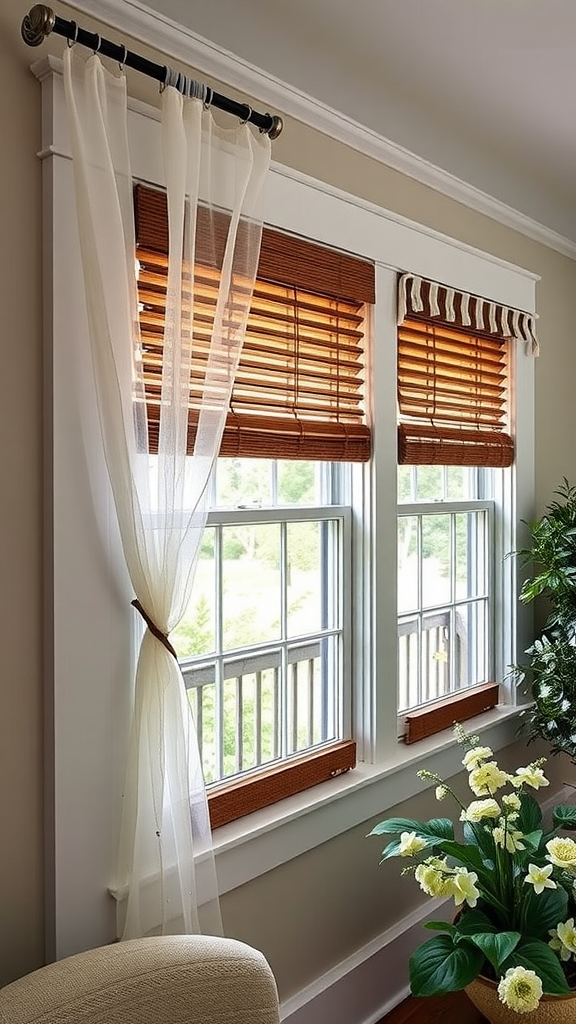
{"points": [[551, 1009]]}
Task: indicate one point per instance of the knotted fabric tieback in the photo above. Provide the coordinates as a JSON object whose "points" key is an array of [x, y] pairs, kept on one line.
{"points": [[162, 637]]}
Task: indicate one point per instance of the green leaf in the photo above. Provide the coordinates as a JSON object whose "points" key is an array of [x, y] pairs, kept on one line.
{"points": [[469, 856], [496, 947], [478, 835], [532, 840], [537, 956], [564, 816], [530, 815], [436, 828], [441, 926], [439, 966], [472, 921], [543, 911]]}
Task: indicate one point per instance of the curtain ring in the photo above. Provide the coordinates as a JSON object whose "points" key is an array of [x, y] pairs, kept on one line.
{"points": [[99, 43], [74, 39], [248, 115], [124, 56], [208, 97], [166, 78]]}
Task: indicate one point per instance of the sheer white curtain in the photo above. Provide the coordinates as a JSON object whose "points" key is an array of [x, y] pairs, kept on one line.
{"points": [[166, 865]]}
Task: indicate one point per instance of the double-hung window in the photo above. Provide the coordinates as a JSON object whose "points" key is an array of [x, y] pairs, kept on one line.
{"points": [[265, 645], [455, 361]]}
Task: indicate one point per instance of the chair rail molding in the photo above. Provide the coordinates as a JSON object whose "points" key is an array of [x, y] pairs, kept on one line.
{"points": [[154, 29]]}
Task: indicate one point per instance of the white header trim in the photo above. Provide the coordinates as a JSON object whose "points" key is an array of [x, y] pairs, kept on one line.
{"points": [[180, 43]]}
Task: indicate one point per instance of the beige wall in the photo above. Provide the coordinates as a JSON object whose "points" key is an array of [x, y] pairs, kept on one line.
{"points": [[317, 909]]}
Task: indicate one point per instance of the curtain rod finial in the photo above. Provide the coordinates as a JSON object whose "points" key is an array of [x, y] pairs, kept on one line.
{"points": [[37, 24], [277, 126]]}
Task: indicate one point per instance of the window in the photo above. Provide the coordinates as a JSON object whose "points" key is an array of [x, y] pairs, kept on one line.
{"points": [[265, 644], [89, 628], [454, 385]]}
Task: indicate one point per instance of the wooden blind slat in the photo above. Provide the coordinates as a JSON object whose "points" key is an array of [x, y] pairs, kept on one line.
{"points": [[299, 385], [452, 396]]}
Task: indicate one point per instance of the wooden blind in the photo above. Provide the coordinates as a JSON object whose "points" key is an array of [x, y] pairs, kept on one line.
{"points": [[453, 389], [299, 388]]}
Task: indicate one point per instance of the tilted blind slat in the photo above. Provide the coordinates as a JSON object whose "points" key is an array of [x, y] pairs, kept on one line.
{"points": [[299, 386]]}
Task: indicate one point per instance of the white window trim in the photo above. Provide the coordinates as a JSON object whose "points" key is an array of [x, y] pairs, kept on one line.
{"points": [[88, 614]]}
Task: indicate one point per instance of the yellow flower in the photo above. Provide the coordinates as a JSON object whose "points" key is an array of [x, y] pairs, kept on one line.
{"points": [[520, 989], [474, 757], [564, 939], [512, 801], [410, 844], [562, 852], [479, 809], [530, 776], [540, 878], [487, 778], [432, 880], [508, 839], [464, 887]]}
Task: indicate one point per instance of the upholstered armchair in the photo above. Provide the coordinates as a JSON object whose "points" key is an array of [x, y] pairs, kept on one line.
{"points": [[182, 979]]}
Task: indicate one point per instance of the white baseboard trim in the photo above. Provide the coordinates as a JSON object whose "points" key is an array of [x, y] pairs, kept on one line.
{"points": [[365, 986]]}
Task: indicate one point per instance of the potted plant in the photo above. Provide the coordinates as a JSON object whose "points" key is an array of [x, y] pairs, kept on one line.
{"points": [[512, 941], [552, 657]]}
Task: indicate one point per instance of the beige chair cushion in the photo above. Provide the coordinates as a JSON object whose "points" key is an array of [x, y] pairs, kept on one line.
{"points": [[183, 979]]}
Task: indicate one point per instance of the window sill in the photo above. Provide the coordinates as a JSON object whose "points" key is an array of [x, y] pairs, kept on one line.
{"points": [[264, 840]]}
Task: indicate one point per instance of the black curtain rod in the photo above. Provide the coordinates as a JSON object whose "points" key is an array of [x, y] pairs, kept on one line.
{"points": [[41, 21]]}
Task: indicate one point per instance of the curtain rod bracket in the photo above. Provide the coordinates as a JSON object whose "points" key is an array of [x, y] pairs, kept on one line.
{"points": [[37, 24]]}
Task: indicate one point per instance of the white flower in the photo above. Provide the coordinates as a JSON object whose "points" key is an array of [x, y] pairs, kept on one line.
{"points": [[464, 887], [410, 844], [520, 989], [540, 878], [565, 705], [487, 778], [564, 939], [531, 776], [562, 852], [441, 792], [544, 690], [480, 809], [475, 756]]}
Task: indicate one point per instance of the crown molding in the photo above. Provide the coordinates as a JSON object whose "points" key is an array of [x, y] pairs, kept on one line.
{"points": [[156, 30]]}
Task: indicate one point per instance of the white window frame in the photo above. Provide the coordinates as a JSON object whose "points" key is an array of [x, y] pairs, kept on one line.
{"points": [[87, 597], [341, 693]]}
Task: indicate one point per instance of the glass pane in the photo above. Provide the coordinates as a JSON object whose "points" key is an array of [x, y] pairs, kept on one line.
{"points": [[436, 560], [471, 647], [196, 632], [435, 648], [312, 577], [471, 554], [243, 483], [430, 483], [297, 484], [250, 713], [251, 606], [406, 483], [313, 672], [407, 563], [202, 702], [408, 664]]}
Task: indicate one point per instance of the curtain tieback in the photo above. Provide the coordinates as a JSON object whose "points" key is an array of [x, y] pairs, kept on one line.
{"points": [[162, 637]]}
